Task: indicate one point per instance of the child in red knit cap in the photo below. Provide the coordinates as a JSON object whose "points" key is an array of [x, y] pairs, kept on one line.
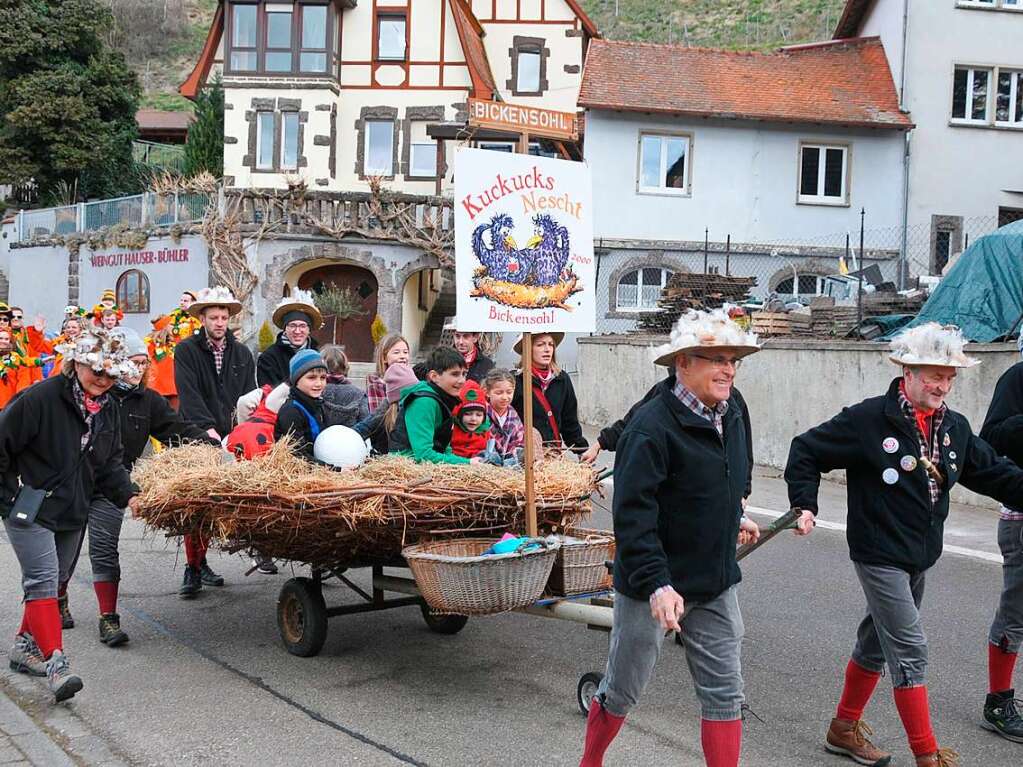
{"points": [[471, 428]]}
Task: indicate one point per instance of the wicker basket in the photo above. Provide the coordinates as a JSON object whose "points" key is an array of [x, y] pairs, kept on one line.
{"points": [[454, 577], [580, 568]]}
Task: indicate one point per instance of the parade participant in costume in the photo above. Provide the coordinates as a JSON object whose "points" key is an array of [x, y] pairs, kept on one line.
{"points": [[108, 300], [211, 371], [59, 441], [348, 401], [1003, 430], [423, 427], [168, 331], [109, 318], [555, 411], [681, 466], [470, 431], [9, 367], [902, 453], [505, 424], [477, 364], [70, 329], [377, 428], [297, 316], [391, 349], [304, 414], [30, 342]]}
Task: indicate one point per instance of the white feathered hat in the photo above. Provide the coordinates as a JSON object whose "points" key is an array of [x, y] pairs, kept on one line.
{"points": [[300, 301], [931, 344], [706, 330], [104, 352], [219, 296]]}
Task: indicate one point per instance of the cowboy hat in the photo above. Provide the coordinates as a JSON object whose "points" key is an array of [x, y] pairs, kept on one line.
{"points": [[706, 330], [219, 296], [931, 344], [301, 302], [558, 338]]}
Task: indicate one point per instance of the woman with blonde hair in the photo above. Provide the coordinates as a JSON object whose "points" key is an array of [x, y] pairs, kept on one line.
{"points": [[555, 410], [392, 349]]}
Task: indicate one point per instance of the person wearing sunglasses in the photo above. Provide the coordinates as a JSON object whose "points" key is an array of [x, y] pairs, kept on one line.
{"points": [[60, 443]]}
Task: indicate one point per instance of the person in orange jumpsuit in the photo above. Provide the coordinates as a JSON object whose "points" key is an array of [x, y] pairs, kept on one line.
{"points": [[168, 331], [15, 368], [31, 343]]}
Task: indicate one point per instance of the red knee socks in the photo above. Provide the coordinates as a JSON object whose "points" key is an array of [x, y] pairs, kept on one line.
{"points": [[722, 742], [916, 719], [859, 686], [1000, 665], [195, 549], [106, 595], [601, 729], [44, 621]]}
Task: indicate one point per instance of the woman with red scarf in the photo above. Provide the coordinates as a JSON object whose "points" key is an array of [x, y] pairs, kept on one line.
{"points": [[555, 410]]}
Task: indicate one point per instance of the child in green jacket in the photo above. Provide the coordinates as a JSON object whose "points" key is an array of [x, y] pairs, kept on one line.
{"points": [[423, 428]]}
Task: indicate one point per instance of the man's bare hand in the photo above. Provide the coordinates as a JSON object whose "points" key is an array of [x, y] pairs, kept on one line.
{"points": [[749, 532], [667, 607], [806, 523], [591, 453]]}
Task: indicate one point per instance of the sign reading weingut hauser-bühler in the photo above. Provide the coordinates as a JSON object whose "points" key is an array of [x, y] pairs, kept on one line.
{"points": [[523, 243]]}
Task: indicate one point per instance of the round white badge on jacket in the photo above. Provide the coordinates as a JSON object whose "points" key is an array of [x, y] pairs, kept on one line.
{"points": [[890, 445], [890, 476], [908, 463]]}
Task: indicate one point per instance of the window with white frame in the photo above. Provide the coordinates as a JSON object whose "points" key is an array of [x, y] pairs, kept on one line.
{"points": [[1009, 98], [639, 290], [265, 129], [823, 174], [289, 141], [970, 94], [664, 163], [391, 36], [527, 79], [808, 284], [379, 149], [1007, 5], [422, 159]]}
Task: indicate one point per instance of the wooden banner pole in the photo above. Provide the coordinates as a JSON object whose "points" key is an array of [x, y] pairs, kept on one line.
{"points": [[527, 404]]}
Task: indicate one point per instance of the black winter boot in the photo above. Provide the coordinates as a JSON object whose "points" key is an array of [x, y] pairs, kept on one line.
{"points": [[209, 578], [1002, 716], [192, 583]]}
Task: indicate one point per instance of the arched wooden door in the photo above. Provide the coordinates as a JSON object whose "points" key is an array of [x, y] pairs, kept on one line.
{"points": [[360, 286]]}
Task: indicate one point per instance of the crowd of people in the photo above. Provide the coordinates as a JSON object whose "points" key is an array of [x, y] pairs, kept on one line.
{"points": [[83, 406]]}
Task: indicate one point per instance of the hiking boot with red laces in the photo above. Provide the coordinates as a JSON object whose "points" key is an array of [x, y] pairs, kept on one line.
{"points": [[848, 738], [25, 656], [944, 757]]}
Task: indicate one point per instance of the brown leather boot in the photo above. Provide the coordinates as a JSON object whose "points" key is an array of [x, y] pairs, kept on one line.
{"points": [[848, 738], [945, 757]]}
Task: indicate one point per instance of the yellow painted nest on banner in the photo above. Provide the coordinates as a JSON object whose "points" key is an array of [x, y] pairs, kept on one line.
{"points": [[287, 508], [526, 296]]}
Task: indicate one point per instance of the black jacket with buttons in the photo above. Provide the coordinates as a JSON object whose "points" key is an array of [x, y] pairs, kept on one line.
{"points": [[678, 499], [1003, 427], [144, 413], [207, 399], [895, 524]]}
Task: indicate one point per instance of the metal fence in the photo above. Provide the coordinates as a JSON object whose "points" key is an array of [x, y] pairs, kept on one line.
{"points": [[168, 156], [630, 274], [135, 211]]}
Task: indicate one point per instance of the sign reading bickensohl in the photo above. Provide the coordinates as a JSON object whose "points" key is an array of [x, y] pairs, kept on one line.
{"points": [[547, 123]]}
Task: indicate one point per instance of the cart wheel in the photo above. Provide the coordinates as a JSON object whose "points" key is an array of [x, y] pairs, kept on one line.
{"points": [[443, 624], [587, 690], [302, 617]]}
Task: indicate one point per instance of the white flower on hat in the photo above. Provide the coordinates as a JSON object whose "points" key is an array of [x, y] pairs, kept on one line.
{"points": [[104, 353], [706, 329], [931, 344], [298, 296]]}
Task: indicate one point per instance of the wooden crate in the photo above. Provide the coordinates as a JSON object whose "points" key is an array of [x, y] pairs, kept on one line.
{"points": [[767, 324]]}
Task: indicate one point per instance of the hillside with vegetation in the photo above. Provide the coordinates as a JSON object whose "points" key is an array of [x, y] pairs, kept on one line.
{"points": [[162, 38]]}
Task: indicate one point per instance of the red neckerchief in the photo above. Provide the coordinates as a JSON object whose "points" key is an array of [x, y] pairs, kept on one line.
{"points": [[923, 417], [470, 356], [544, 377], [91, 405]]}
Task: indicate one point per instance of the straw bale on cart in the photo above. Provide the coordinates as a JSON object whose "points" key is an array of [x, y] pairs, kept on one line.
{"points": [[286, 508]]}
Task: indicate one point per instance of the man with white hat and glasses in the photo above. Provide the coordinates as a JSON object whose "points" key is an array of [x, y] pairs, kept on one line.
{"points": [[681, 469], [902, 453]]}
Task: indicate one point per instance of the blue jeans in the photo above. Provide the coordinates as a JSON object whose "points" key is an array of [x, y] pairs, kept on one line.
{"points": [[1007, 628], [712, 633]]}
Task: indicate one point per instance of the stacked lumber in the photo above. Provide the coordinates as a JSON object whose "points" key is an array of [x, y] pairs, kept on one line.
{"points": [[832, 321], [686, 290], [774, 324], [879, 304]]}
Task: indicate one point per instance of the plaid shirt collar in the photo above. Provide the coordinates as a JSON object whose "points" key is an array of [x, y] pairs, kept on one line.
{"points": [[931, 452], [716, 414], [218, 349]]}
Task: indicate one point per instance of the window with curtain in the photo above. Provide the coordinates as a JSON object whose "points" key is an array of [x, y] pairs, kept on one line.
{"points": [[133, 292]]}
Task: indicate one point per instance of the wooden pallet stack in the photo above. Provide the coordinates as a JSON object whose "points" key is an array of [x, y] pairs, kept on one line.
{"points": [[832, 321], [686, 290], [775, 324], [879, 304]]}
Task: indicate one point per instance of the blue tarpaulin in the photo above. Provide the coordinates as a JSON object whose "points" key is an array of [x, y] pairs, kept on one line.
{"points": [[983, 291]]}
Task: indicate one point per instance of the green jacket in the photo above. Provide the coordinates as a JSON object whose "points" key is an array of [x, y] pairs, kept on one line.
{"points": [[423, 428]]}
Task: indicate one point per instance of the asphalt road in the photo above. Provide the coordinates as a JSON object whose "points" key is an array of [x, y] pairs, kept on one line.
{"points": [[208, 683]]}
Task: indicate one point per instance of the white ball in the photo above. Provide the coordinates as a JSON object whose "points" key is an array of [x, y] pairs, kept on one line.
{"points": [[341, 447]]}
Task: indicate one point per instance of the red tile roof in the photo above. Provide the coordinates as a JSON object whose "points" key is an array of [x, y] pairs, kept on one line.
{"points": [[852, 18], [470, 34], [835, 83]]}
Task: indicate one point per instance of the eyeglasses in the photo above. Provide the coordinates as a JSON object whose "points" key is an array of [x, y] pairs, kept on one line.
{"points": [[297, 325], [721, 362], [17, 316]]}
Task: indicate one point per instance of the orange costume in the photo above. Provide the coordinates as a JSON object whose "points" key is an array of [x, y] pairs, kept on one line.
{"points": [[169, 330], [61, 345], [16, 374], [30, 345]]}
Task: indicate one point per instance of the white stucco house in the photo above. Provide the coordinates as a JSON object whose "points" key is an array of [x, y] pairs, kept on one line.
{"points": [[696, 148], [958, 69]]}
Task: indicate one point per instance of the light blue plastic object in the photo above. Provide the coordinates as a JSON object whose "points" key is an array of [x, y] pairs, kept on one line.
{"points": [[509, 544]]}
